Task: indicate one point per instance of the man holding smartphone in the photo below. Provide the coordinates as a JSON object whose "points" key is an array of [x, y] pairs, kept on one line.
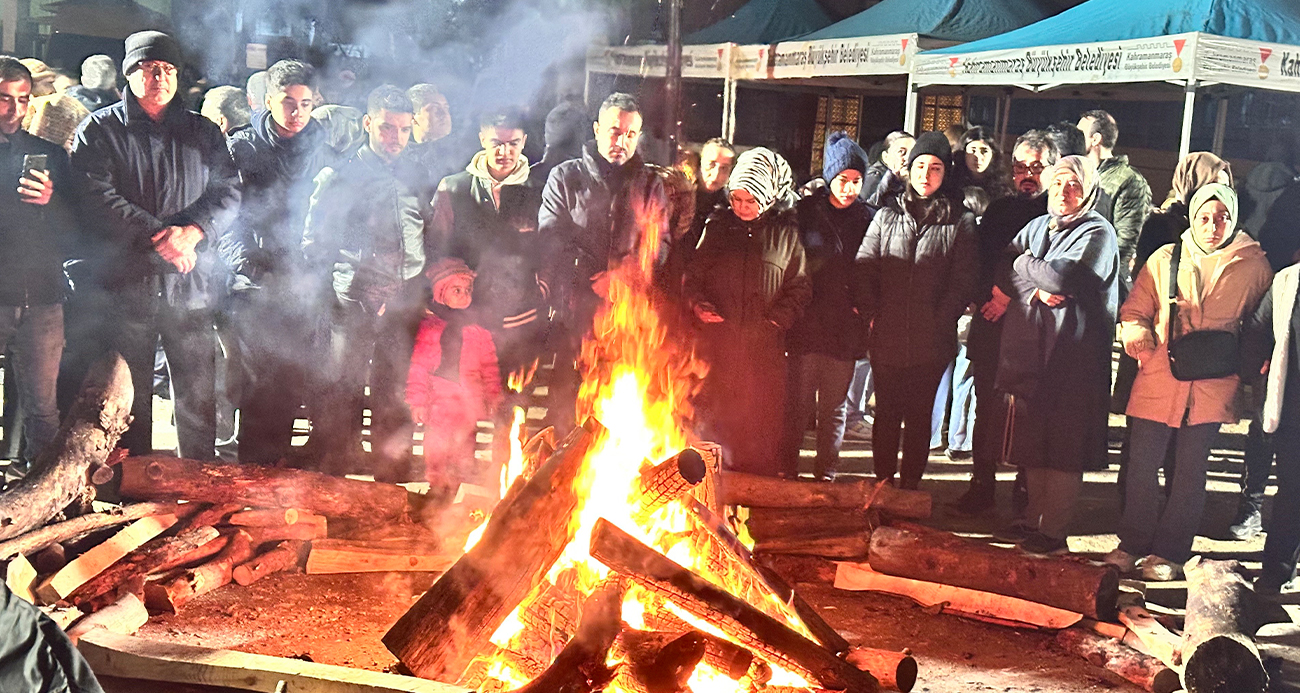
{"points": [[33, 241]]}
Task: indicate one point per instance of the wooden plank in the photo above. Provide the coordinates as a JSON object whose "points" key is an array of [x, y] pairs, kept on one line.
{"points": [[125, 656], [38, 539], [63, 616], [92, 562], [20, 577], [343, 556], [1155, 639], [125, 616], [860, 576]]}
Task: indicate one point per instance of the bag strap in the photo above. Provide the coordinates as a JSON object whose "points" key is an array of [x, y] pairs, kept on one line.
{"points": [[1173, 290]]}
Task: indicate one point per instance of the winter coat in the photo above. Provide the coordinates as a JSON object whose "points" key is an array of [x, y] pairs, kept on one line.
{"points": [[1259, 190], [1270, 336], [831, 325], [1130, 203], [753, 274], [593, 216], [1229, 293], [36, 655], [916, 280], [439, 159], [477, 390], [137, 177], [1002, 221], [500, 243], [366, 224], [34, 239], [1163, 227], [277, 176], [1055, 362], [1280, 235]]}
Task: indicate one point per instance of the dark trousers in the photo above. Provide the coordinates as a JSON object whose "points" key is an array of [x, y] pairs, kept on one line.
{"points": [[1283, 544], [816, 385], [904, 400], [139, 319], [1259, 449], [1145, 527], [272, 351], [990, 422]]}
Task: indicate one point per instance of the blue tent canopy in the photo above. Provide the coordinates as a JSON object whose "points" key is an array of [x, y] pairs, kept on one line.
{"points": [[764, 21], [946, 20], [1274, 21]]}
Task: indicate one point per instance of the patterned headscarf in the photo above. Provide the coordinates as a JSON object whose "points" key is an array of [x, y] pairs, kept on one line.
{"points": [[1085, 172], [764, 174]]}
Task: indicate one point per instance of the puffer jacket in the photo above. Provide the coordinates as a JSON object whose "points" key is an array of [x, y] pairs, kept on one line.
{"points": [[831, 237], [137, 177], [1239, 276], [475, 392], [1130, 203], [593, 216], [277, 175], [366, 224], [916, 281]]}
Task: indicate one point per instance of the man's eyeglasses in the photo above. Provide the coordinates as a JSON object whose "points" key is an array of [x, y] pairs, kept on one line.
{"points": [[153, 69], [1035, 168]]}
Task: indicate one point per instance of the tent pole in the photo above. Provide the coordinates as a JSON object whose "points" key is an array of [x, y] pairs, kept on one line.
{"points": [[731, 112], [909, 109], [1189, 108], [673, 83], [1220, 126], [726, 93]]}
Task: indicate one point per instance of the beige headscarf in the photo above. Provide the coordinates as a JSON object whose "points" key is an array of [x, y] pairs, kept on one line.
{"points": [[1196, 170], [1085, 172]]}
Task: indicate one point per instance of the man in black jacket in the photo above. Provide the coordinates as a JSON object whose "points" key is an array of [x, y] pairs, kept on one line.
{"points": [[366, 228], [273, 298], [33, 240], [593, 211], [159, 189]]}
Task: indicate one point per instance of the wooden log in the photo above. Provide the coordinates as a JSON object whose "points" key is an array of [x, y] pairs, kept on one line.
{"points": [[756, 491], [840, 547], [50, 559], [1091, 589], [661, 662], [1147, 672], [581, 665], [772, 523], [1155, 639], [958, 600], [752, 628], [111, 654], [20, 578], [264, 517], [798, 569], [670, 479], [156, 555], [330, 556], [706, 492], [126, 616], [85, 438], [170, 595], [447, 627], [825, 634], [301, 531], [161, 478], [896, 671], [1219, 654], [96, 560], [285, 556]]}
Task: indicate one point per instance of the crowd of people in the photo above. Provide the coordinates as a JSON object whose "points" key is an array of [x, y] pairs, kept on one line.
{"points": [[283, 253]]}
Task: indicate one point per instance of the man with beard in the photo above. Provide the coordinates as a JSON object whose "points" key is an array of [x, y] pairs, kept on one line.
{"points": [[593, 211], [273, 297], [1129, 193], [431, 144], [1005, 217], [160, 189]]}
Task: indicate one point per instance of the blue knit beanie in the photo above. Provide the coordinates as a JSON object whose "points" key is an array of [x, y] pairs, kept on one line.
{"points": [[842, 154]]}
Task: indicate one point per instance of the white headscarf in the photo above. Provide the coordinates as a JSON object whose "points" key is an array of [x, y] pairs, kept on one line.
{"points": [[1085, 172], [764, 174]]}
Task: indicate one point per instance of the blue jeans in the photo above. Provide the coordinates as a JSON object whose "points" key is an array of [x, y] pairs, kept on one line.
{"points": [[35, 337], [860, 390], [816, 386], [959, 380]]}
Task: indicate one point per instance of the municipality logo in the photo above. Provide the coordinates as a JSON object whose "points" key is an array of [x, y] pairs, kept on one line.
{"points": [[1177, 65], [1264, 54]]}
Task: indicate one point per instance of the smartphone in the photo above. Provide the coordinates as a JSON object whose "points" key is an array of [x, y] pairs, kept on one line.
{"points": [[34, 162]]}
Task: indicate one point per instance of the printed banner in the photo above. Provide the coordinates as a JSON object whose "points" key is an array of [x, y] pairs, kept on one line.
{"points": [[867, 55], [1139, 60], [698, 62], [1248, 63]]}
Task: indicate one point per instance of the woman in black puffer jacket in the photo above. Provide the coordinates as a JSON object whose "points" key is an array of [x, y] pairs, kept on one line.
{"points": [[919, 265]]}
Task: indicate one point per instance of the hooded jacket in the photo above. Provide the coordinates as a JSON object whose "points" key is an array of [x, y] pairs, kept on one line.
{"points": [[831, 237], [366, 223], [499, 241], [137, 177], [1216, 291], [277, 174]]}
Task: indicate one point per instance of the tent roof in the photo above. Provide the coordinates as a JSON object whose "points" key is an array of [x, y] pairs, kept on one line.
{"points": [[1274, 21], [764, 21], [947, 20]]}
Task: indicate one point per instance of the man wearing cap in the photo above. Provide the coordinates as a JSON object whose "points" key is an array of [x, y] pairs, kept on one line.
{"points": [[159, 189]]}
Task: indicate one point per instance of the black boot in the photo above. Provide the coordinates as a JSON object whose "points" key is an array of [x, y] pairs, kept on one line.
{"points": [[977, 500], [1248, 523]]}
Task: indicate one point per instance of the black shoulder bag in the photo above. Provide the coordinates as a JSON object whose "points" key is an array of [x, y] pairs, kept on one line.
{"points": [[1202, 354]]}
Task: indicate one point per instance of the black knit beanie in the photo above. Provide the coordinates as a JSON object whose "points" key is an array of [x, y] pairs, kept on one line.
{"points": [[842, 154], [150, 45], [933, 143]]}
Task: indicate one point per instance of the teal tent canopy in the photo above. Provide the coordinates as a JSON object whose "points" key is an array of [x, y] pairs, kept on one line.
{"points": [[764, 21], [945, 20]]}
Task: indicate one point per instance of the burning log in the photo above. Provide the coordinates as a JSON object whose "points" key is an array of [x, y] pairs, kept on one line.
{"points": [[48, 535], [161, 478], [756, 491], [170, 595], [538, 449], [157, 555], [671, 479], [661, 662], [580, 666], [825, 634], [285, 556], [798, 569], [87, 435], [782, 523], [842, 547], [442, 632], [734, 661], [1148, 672], [1219, 655], [895, 670], [706, 492], [765, 635], [934, 556]]}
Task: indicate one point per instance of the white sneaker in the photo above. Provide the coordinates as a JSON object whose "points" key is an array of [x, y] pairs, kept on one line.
{"points": [[1121, 559], [1157, 569]]}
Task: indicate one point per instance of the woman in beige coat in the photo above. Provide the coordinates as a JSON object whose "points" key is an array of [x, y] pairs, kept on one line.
{"points": [[1222, 275]]}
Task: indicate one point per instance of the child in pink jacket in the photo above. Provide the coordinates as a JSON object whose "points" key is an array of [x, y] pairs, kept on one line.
{"points": [[454, 381]]}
